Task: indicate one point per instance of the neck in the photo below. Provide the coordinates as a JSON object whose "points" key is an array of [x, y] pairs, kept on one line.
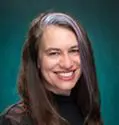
{"points": [[60, 92]]}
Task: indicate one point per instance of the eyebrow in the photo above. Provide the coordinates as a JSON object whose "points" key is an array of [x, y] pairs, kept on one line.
{"points": [[52, 49], [58, 49], [75, 46]]}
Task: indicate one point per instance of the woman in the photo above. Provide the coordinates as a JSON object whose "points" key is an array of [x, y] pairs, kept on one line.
{"points": [[57, 81]]}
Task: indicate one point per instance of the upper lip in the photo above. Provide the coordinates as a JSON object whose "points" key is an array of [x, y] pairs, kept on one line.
{"points": [[65, 71]]}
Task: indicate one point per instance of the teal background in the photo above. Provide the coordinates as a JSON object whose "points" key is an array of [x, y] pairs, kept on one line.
{"points": [[100, 19]]}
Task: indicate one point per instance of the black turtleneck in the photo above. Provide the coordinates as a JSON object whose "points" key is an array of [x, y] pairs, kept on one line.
{"points": [[69, 109]]}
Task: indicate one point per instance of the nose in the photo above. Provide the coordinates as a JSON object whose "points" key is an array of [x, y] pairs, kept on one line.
{"points": [[66, 62]]}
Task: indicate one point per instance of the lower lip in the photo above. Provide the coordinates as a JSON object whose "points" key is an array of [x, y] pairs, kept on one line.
{"points": [[68, 78]]}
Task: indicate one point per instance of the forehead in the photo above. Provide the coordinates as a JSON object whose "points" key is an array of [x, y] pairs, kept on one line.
{"points": [[57, 36]]}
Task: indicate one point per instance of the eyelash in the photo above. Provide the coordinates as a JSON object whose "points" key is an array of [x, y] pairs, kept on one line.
{"points": [[75, 51], [53, 53], [57, 53]]}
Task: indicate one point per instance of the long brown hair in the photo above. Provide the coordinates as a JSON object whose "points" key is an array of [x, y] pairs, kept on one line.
{"points": [[36, 98]]}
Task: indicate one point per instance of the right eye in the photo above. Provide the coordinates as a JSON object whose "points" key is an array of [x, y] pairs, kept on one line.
{"points": [[53, 53]]}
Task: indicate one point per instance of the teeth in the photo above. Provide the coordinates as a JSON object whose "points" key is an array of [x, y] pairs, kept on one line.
{"points": [[66, 74]]}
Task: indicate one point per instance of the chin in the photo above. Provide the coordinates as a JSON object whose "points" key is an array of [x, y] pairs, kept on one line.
{"points": [[67, 88]]}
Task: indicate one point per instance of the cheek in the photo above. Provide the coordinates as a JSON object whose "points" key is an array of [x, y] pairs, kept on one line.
{"points": [[76, 60], [48, 64]]}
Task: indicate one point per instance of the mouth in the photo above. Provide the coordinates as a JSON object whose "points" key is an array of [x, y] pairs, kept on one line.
{"points": [[66, 76]]}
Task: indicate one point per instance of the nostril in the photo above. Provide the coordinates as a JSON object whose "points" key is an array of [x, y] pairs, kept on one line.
{"points": [[66, 61], [66, 64]]}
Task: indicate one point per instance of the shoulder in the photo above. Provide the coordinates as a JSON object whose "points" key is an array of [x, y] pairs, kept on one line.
{"points": [[4, 121], [12, 115]]}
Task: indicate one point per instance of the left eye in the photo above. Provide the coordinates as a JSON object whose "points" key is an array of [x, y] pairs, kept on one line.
{"points": [[74, 51]]}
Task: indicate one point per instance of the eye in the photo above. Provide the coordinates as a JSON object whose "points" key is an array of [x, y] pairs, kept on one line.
{"points": [[53, 53], [75, 51]]}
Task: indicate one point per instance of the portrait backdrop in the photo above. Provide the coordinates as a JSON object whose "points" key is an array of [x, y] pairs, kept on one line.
{"points": [[100, 18]]}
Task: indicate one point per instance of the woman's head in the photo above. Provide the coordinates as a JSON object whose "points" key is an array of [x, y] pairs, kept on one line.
{"points": [[56, 57], [57, 33]]}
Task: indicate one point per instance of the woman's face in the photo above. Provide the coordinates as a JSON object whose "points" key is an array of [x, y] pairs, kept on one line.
{"points": [[59, 59]]}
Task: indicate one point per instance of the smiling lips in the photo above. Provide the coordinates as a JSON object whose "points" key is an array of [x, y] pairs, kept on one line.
{"points": [[66, 76]]}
